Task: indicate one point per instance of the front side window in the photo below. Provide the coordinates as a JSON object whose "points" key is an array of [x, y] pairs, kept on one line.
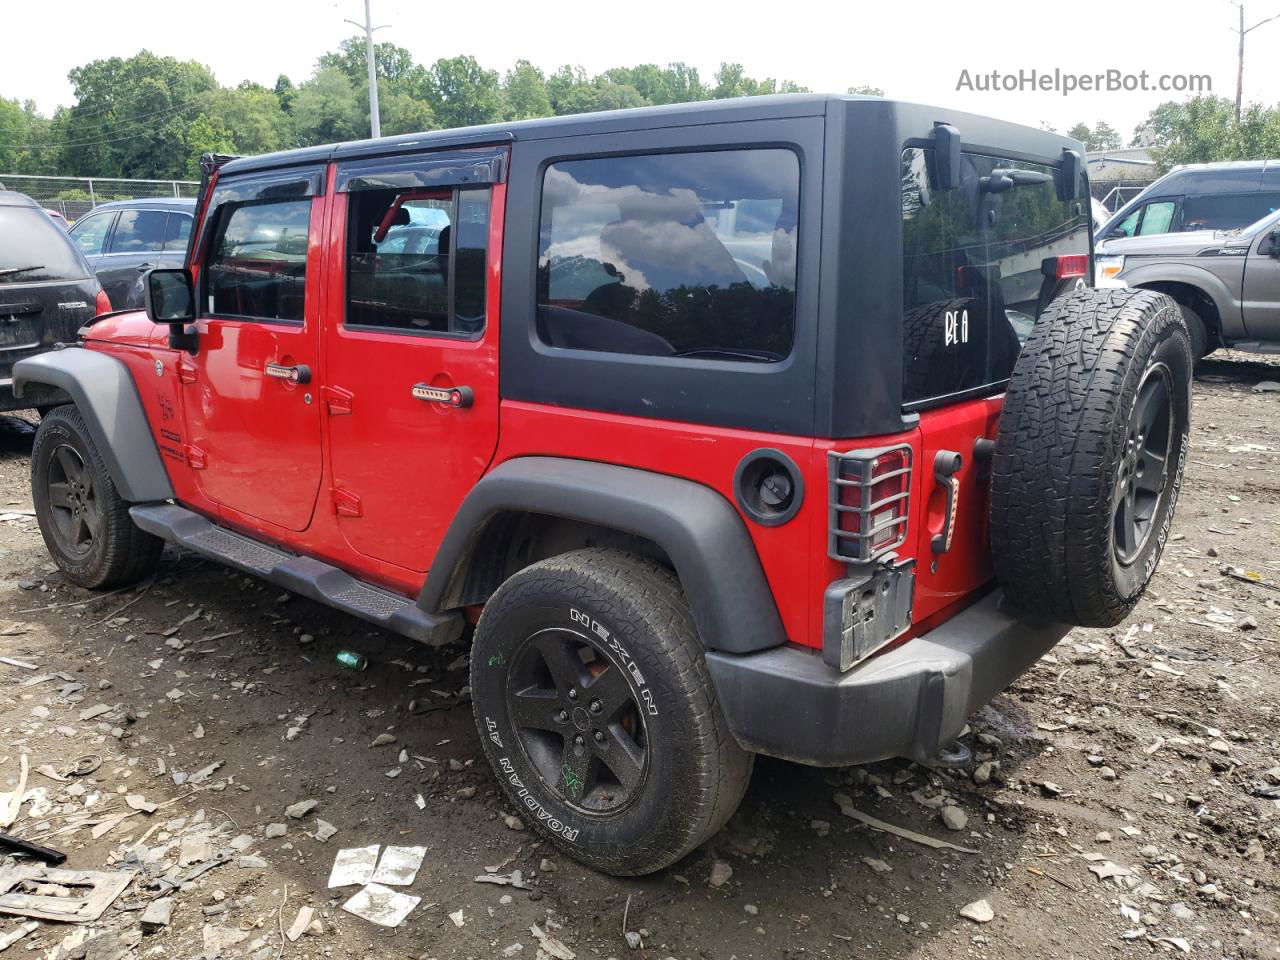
{"points": [[90, 233], [674, 255], [257, 264], [416, 260], [1157, 217], [979, 263], [139, 231]]}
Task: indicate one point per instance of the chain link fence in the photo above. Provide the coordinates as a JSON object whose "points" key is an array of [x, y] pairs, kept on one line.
{"points": [[1114, 194], [73, 197]]}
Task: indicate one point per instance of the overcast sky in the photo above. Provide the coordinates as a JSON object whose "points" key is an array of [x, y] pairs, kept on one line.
{"points": [[915, 51]]}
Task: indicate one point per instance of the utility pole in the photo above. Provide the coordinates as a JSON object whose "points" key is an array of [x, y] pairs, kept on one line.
{"points": [[1242, 31], [375, 121]]}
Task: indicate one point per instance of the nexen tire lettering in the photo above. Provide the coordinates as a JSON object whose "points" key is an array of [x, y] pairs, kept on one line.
{"points": [[603, 632]]}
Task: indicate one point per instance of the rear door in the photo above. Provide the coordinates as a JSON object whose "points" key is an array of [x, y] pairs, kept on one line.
{"points": [[411, 346], [980, 262], [250, 391], [133, 248]]}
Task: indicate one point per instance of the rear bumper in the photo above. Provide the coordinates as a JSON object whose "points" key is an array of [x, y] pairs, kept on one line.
{"points": [[909, 702]]}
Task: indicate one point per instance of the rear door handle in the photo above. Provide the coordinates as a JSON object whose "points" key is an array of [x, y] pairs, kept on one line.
{"points": [[459, 397], [298, 374]]}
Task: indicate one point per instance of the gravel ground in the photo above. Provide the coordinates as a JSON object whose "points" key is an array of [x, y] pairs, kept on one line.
{"points": [[1123, 801]]}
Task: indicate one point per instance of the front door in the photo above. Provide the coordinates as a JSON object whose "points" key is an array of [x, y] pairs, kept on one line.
{"points": [[411, 378], [1261, 298], [249, 392]]}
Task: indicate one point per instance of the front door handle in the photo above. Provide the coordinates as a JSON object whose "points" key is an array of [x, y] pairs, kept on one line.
{"points": [[459, 397], [297, 374], [144, 267]]}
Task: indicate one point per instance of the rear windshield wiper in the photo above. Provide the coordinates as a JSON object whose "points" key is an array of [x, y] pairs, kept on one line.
{"points": [[731, 353], [1002, 179], [8, 270]]}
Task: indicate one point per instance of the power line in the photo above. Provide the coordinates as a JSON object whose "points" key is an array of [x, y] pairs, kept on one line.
{"points": [[93, 143]]}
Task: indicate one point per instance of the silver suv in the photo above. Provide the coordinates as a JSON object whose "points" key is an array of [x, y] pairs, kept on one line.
{"points": [[1226, 282]]}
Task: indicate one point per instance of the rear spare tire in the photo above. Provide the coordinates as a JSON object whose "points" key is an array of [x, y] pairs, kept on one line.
{"points": [[1089, 458]]}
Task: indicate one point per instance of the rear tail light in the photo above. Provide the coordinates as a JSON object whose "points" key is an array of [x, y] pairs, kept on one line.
{"points": [[1075, 265], [102, 304], [869, 495]]}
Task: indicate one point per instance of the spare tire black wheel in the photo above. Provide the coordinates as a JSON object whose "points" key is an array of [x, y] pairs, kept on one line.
{"points": [[1090, 454]]}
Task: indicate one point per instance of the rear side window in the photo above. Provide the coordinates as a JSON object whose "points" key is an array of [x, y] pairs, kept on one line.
{"points": [[1227, 212], [90, 233], [680, 255], [33, 248], [979, 264], [139, 231], [257, 263], [176, 232], [416, 260]]}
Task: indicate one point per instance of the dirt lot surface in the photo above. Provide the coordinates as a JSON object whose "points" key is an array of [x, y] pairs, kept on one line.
{"points": [[1125, 800]]}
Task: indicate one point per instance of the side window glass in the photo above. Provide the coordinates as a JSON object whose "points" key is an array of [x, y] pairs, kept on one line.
{"points": [[678, 255], [139, 231], [1128, 227], [176, 232], [416, 260], [257, 263], [1158, 217], [90, 233]]}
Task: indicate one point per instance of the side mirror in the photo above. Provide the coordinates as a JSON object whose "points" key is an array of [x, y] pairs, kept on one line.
{"points": [[170, 300], [1275, 243]]}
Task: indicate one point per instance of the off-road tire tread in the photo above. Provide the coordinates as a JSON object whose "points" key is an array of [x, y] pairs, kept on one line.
{"points": [[1052, 473], [130, 553], [622, 585]]}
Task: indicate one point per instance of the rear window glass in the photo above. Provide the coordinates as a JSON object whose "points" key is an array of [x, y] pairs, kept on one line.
{"points": [[679, 255], [1227, 212], [33, 248], [177, 231], [978, 266]]}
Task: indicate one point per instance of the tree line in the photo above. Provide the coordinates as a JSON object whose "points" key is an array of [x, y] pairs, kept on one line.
{"points": [[150, 116]]}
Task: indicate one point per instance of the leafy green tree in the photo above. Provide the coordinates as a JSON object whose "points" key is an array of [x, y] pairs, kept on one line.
{"points": [[525, 90], [397, 71], [250, 115], [1099, 137], [1204, 129], [327, 109], [462, 93], [863, 90], [402, 113], [25, 138], [285, 92], [131, 116], [206, 134]]}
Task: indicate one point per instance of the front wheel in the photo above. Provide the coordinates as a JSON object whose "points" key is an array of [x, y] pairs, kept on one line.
{"points": [[84, 520], [595, 709]]}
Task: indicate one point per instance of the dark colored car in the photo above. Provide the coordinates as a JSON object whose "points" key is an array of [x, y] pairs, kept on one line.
{"points": [[782, 425], [125, 239], [47, 291], [1204, 196]]}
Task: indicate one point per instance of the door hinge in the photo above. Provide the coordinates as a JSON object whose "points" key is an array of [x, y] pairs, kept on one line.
{"points": [[186, 372], [337, 401], [345, 503], [196, 458]]}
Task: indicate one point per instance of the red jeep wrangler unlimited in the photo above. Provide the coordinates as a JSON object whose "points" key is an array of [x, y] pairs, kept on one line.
{"points": [[782, 425]]}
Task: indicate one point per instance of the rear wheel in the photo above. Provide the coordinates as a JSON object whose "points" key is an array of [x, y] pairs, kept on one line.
{"points": [[84, 521], [1089, 459], [595, 709], [1198, 331]]}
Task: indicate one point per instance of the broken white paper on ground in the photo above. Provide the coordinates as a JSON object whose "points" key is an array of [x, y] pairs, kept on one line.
{"points": [[398, 866], [353, 866], [381, 905]]}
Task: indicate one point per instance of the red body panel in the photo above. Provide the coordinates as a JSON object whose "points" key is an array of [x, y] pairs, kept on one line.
{"points": [[397, 467]]}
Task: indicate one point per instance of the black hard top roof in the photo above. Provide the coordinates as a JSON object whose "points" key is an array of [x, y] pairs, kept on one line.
{"points": [[974, 129]]}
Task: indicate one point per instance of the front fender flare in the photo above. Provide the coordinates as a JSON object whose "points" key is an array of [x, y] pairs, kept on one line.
{"points": [[1229, 309], [104, 392], [702, 534]]}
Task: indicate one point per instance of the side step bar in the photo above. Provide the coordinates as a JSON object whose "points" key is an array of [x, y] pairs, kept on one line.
{"points": [[303, 575]]}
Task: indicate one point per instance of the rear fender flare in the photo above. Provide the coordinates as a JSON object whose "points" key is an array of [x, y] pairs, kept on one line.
{"points": [[104, 392], [698, 529]]}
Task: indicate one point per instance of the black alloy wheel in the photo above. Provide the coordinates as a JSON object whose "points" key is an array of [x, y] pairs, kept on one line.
{"points": [[1144, 465]]}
